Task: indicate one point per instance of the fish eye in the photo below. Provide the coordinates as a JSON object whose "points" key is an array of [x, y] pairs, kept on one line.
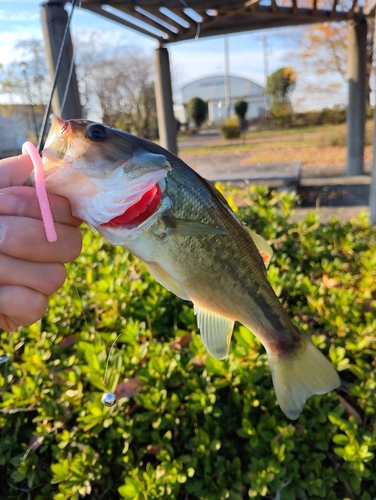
{"points": [[96, 132]]}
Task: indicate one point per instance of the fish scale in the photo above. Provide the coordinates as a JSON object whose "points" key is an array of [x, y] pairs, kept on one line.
{"points": [[231, 259], [193, 244]]}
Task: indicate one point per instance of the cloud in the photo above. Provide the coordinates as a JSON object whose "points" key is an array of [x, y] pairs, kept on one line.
{"points": [[22, 17]]}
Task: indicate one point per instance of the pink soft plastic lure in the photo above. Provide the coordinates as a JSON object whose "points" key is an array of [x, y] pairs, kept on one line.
{"points": [[44, 204]]}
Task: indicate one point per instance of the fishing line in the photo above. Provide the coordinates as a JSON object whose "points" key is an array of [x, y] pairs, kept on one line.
{"points": [[64, 99], [45, 207], [198, 23], [4, 358], [109, 398], [63, 102], [58, 65]]}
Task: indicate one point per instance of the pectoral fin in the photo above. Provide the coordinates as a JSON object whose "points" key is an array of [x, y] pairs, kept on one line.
{"points": [[263, 247], [215, 332], [165, 279], [183, 227]]}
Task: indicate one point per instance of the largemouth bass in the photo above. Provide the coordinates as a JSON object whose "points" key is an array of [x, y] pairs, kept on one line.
{"points": [[142, 197]]}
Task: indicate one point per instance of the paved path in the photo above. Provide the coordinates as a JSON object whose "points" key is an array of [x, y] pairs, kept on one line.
{"points": [[326, 189]]}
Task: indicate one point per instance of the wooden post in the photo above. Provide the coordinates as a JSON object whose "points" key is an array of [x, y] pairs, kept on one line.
{"points": [[163, 94], [356, 112], [54, 20], [372, 194]]}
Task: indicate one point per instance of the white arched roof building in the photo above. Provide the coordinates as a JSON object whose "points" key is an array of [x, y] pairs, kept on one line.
{"points": [[212, 89]]}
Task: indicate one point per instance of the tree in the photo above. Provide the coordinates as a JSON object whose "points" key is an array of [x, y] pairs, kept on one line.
{"points": [[197, 110], [279, 86], [25, 81], [322, 48], [115, 81], [241, 108], [26, 76], [118, 80]]}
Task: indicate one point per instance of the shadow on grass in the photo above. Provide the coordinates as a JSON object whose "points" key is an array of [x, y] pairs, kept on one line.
{"points": [[334, 196]]}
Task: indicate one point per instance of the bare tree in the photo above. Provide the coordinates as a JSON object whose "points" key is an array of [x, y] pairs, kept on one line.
{"points": [[115, 80], [26, 83], [26, 76], [119, 80]]}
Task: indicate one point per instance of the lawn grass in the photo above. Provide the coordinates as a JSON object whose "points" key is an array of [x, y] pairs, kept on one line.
{"points": [[321, 145]]}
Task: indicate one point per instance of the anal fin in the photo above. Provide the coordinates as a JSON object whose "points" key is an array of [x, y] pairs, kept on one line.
{"points": [[215, 331]]}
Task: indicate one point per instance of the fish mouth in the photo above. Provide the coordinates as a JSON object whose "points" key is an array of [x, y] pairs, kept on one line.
{"points": [[138, 213]]}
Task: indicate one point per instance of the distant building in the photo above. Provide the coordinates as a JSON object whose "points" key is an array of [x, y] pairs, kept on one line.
{"points": [[212, 89]]}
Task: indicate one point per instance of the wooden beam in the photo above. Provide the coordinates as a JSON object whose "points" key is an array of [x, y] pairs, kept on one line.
{"points": [[266, 19], [352, 8], [334, 8], [169, 19], [131, 11], [162, 18], [179, 11], [231, 13], [97, 9], [274, 6], [229, 20], [314, 8]]}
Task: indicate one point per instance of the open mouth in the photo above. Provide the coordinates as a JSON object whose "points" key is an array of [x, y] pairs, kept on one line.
{"points": [[140, 211]]}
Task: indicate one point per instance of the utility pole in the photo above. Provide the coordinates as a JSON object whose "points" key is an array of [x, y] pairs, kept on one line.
{"points": [[266, 72], [227, 79]]}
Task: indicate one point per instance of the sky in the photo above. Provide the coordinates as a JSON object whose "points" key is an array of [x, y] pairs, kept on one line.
{"points": [[189, 60]]}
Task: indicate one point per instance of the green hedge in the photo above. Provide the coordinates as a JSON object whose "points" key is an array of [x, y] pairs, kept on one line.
{"points": [[189, 426], [230, 128], [325, 116]]}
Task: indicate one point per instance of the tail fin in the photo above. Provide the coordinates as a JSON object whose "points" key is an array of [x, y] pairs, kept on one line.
{"points": [[299, 376]]}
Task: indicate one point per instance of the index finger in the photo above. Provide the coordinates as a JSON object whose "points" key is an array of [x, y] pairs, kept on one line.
{"points": [[15, 171]]}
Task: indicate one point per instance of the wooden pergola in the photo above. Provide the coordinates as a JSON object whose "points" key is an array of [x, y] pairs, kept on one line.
{"points": [[177, 20], [171, 21]]}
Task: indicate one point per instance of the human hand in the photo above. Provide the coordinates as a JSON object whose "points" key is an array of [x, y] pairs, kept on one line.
{"points": [[31, 268]]}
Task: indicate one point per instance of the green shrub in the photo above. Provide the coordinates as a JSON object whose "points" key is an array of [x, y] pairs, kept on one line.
{"points": [[337, 138], [230, 128], [187, 425], [197, 111], [240, 109], [333, 116], [325, 116]]}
